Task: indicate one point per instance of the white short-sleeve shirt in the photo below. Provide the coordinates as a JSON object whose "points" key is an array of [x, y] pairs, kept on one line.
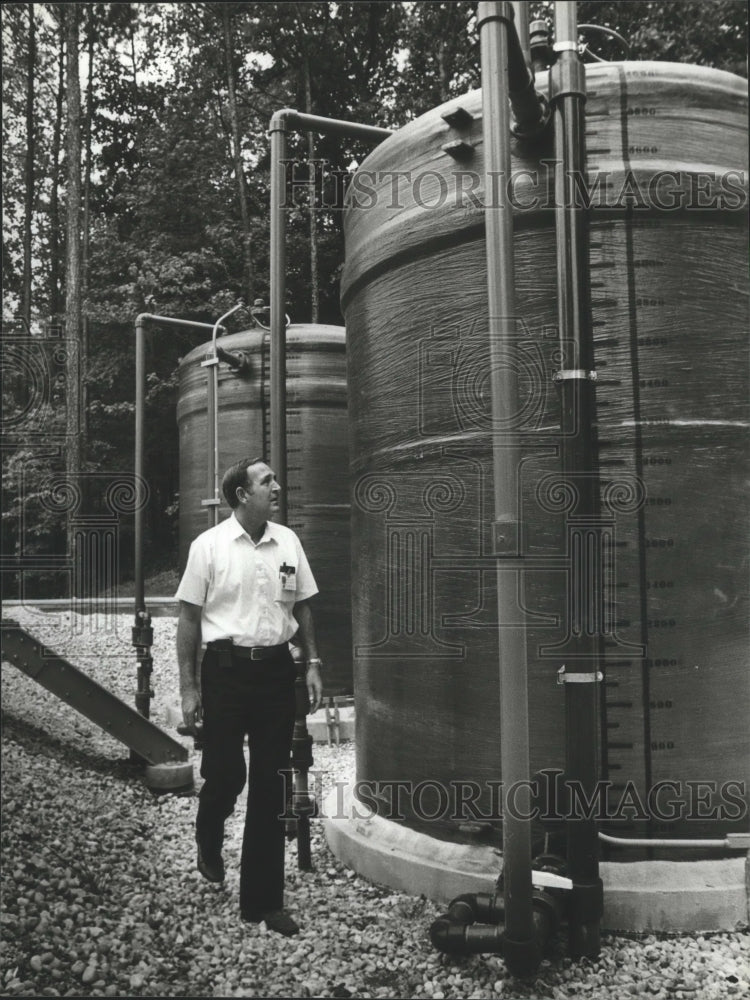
{"points": [[247, 590]]}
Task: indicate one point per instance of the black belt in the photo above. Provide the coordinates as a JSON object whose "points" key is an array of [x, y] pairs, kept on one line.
{"points": [[246, 652]]}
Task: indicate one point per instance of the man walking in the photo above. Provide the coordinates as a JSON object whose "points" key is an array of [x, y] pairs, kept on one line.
{"points": [[243, 595]]}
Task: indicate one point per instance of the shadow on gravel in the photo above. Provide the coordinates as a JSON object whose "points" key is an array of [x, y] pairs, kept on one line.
{"points": [[37, 741]]}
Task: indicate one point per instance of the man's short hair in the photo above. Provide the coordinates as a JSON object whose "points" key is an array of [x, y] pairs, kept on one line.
{"points": [[236, 476]]}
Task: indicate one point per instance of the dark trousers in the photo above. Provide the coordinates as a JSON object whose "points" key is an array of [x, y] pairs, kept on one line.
{"points": [[253, 698]]}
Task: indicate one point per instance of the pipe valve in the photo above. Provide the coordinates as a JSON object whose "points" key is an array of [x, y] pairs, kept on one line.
{"points": [[540, 44]]}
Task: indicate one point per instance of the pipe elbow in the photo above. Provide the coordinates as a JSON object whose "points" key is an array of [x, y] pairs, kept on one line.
{"points": [[282, 119], [463, 909], [466, 897]]}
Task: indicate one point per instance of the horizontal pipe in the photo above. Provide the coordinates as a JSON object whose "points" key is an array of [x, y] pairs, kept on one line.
{"points": [[171, 321], [287, 118], [477, 908], [454, 938], [724, 844], [456, 933]]}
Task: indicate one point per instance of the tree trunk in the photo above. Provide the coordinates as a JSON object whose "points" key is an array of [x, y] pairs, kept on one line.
{"points": [[314, 291], [29, 176], [87, 138], [442, 72], [54, 200], [134, 62], [73, 450], [239, 172], [85, 248]]}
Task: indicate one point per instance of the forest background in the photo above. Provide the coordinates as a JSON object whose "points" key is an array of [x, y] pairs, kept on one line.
{"points": [[136, 178]]}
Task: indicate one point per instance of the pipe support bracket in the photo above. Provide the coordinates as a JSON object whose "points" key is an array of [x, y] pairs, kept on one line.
{"points": [[458, 118], [459, 150]]}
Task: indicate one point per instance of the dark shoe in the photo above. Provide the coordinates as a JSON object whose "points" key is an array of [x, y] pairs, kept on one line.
{"points": [[275, 920], [211, 869]]}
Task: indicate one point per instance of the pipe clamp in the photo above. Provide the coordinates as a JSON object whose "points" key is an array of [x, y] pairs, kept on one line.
{"points": [[568, 46], [567, 78], [592, 677]]}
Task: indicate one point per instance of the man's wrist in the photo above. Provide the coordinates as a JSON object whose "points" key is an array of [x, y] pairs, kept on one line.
{"points": [[314, 661]]}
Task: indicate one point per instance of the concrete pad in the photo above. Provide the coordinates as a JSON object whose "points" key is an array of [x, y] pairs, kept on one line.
{"points": [[675, 895], [684, 896]]}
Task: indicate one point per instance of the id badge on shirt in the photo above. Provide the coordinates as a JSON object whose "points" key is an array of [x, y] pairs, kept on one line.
{"points": [[288, 579]]}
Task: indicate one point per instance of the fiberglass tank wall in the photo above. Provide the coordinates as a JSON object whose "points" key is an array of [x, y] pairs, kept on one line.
{"points": [[317, 460], [667, 148]]}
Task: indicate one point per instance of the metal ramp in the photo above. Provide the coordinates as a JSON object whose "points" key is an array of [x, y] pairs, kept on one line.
{"points": [[167, 759]]}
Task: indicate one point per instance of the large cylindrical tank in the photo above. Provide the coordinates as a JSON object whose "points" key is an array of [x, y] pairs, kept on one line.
{"points": [[667, 150], [317, 460]]}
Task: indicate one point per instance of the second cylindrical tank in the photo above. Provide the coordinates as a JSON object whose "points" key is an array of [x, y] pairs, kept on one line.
{"points": [[317, 459]]}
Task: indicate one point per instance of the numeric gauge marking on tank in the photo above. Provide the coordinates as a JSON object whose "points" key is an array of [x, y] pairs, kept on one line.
{"points": [[297, 479]]}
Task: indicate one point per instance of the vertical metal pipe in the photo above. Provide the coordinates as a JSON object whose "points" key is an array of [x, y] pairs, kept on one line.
{"points": [[521, 18], [140, 399], [278, 133], [281, 122], [212, 443], [213, 501], [580, 467], [494, 21], [142, 635]]}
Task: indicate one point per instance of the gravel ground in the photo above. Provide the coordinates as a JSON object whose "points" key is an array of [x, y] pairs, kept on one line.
{"points": [[101, 898]]}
